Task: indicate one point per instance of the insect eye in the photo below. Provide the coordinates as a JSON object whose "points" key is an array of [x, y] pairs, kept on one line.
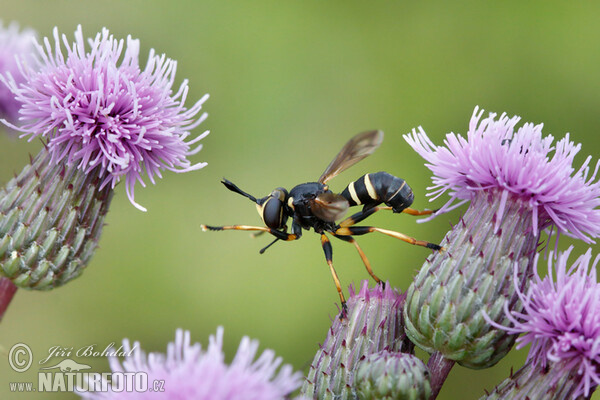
{"points": [[272, 212]]}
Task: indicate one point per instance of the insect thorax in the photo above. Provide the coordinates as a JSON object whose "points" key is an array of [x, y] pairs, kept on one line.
{"points": [[299, 202]]}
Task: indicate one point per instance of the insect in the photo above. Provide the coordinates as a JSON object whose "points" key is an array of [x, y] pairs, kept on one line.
{"points": [[314, 205]]}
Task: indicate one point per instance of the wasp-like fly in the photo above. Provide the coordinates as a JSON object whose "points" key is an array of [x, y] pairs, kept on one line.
{"points": [[313, 205]]}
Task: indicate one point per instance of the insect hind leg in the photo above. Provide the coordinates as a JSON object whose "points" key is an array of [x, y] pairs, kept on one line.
{"points": [[362, 230], [367, 212], [412, 211], [359, 216]]}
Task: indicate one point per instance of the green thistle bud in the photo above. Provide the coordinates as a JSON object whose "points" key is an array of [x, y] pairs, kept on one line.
{"points": [[373, 323], [51, 217], [389, 376], [445, 305], [540, 383]]}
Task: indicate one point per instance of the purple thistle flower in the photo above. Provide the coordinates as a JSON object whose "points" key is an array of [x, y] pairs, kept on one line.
{"points": [[518, 183], [190, 373], [519, 165], [13, 43], [98, 109], [561, 320]]}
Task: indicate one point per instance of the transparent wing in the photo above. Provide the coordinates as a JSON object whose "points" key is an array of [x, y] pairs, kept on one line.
{"points": [[357, 148], [329, 206]]}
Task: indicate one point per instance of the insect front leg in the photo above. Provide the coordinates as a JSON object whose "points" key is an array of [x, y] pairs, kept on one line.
{"points": [[296, 230], [278, 234]]}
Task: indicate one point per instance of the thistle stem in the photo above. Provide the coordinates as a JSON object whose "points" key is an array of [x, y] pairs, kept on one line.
{"points": [[439, 368], [7, 291]]}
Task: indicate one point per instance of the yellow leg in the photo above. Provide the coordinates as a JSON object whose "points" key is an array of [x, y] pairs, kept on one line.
{"points": [[363, 256], [359, 216], [329, 257], [361, 230], [278, 234]]}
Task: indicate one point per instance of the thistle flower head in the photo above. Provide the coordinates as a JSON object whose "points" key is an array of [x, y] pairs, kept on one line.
{"points": [[519, 164], [473, 277], [188, 372], [98, 109], [561, 319], [373, 323], [13, 43]]}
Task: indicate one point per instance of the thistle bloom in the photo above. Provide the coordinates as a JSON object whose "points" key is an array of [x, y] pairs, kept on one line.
{"points": [[517, 166], [518, 184], [13, 43], [188, 372], [373, 324], [99, 111], [103, 118], [561, 322]]}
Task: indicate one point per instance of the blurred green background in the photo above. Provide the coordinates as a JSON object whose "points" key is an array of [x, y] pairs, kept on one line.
{"points": [[290, 82]]}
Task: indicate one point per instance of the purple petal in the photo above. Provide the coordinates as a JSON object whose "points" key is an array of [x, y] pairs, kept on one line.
{"points": [[521, 163], [98, 109]]}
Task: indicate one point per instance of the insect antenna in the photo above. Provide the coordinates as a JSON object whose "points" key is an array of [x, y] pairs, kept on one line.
{"points": [[231, 186]]}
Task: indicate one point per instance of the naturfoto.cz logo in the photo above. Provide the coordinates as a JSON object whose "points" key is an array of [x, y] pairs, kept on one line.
{"points": [[71, 376]]}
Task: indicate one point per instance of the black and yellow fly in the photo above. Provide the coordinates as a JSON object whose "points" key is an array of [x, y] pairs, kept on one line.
{"points": [[313, 205]]}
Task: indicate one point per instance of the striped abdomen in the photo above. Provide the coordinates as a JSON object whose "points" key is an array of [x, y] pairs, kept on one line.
{"points": [[380, 187]]}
